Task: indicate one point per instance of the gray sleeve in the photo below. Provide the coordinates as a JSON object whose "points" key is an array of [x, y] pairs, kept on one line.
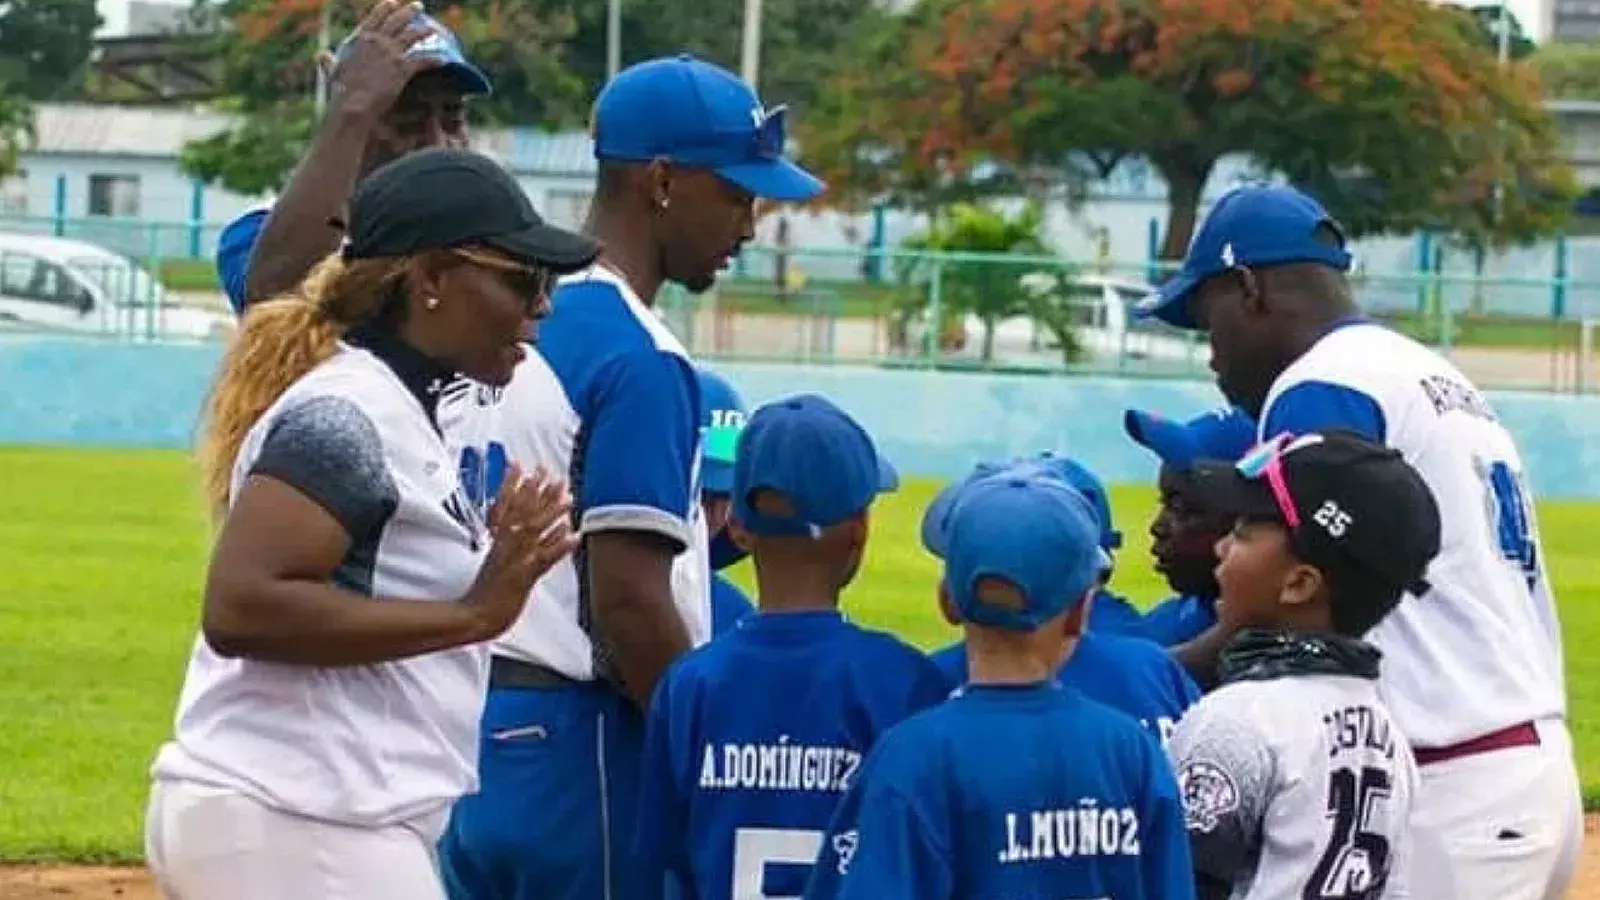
{"points": [[1226, 777], [328, 449]]}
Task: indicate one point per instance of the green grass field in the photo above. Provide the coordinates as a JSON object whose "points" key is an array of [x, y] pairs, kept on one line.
{"points": [[103, 553]]}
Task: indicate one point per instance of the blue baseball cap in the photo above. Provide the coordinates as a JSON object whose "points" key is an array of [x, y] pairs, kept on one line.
{"points": [[1033, 531], [813, 454], [443, 45], [1260, 226], [694, 113], [1224, 434], [722, 419], [1091, 493]]}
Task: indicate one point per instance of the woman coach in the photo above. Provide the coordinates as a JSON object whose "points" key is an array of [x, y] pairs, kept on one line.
{"points": [[330, 711]]}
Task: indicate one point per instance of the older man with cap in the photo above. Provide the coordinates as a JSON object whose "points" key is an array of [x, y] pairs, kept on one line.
{"points": [[1473, 667], [611, 398], [398, 84]]}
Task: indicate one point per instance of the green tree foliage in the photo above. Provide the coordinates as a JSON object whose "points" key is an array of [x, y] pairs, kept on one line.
{"points": [[1569, 71], [992, 291], [1392, 112], [45, 46]]}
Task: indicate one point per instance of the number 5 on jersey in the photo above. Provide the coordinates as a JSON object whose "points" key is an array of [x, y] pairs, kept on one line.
{"points": [[755, 849]]}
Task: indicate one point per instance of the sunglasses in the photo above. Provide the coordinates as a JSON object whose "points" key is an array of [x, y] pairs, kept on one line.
{"points": [[531, 283]]}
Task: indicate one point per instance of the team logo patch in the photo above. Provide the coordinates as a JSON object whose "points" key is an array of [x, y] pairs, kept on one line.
{"points": [[1208, 794], [844, 847]]}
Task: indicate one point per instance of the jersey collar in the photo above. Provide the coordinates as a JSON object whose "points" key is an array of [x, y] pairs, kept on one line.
{"points": [[424, 376]]}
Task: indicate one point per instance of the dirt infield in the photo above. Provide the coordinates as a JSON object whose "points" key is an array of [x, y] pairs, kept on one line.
{"points": [[101, 883]]}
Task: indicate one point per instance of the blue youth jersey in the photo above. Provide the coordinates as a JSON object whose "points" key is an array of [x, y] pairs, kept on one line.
{"points": [[728, 604], [1112, 614], [752, 740], [1130, 675], [1008, 793], [234, 245], [1180, 620]]}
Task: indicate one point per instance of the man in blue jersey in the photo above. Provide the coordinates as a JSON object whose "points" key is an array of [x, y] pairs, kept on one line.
{"points": [[1184, 533], [610, 397], [1129, 674], [1018, 786], [755, 737], [398, 84], [721, 422]]}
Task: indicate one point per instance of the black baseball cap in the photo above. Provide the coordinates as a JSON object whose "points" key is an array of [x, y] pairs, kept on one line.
{"points": [[440, 198], [1352, 507]]}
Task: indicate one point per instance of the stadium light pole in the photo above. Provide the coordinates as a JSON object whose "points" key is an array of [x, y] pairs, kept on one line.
{"points": [[750, 55], [1503, 53], [613, 38]]}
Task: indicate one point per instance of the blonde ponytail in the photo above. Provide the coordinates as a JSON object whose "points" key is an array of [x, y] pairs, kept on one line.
{"points": [[277, 343]]}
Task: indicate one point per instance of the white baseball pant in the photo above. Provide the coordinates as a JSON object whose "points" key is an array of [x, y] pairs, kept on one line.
{"points": [[206, 843], [1504, 825]]}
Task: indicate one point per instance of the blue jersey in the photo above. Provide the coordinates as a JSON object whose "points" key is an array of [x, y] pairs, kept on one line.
{"points": [[1111, 614], [1180, 620], [234, 246], [1031, 791], [1130, 675], [728, 604], [752, 740]]}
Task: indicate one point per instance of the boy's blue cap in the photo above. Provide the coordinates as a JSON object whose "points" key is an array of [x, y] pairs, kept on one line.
{"points": [[722, 418], [1256, 226], [1031, 530], [936, 519], [694, 113], [813, 454], [443, 45], [1223, 434]]}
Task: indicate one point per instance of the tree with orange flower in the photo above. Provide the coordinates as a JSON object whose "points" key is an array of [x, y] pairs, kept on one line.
{"points": [[1388, 110]]}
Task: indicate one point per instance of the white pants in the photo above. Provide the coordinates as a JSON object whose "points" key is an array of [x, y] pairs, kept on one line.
{"points": [[1503, 825], [205, 843]]}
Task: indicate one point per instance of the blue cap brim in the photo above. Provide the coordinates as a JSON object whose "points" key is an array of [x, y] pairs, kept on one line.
{"points": [[775, 179], [1171, 303], [888, 478], [1165, 438], [470, 77]]}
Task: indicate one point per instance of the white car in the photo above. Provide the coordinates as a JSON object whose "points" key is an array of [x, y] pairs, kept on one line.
{"points": [[60, 284], [1101, 312]]}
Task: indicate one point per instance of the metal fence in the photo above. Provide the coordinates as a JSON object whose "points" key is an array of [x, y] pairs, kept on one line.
{"points": [[1047, 315]]}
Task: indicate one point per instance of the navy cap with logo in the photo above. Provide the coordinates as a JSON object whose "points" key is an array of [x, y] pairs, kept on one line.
{"points": [[813, 455], [442, 198], [935, 519], [442, 44], [1352, 507], [1028, 529], [1222, 434], [1256, 226], [694, 113]]}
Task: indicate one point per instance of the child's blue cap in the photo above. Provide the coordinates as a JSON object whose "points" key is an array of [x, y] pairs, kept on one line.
{"points": [[1091, 492], [1030, 530], [722, 418], [694, 113], [443, 45], [1256, 226], [814, 455], [1223, 435]]}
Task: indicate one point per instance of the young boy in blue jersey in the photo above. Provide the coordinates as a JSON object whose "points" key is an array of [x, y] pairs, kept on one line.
{"points": [[1018, 786], [1127, 673], [722, 419], [753, 738], [1185, 532]]}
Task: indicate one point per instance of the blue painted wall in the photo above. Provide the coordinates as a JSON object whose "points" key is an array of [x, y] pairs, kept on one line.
{"points": [[72, 392]]}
